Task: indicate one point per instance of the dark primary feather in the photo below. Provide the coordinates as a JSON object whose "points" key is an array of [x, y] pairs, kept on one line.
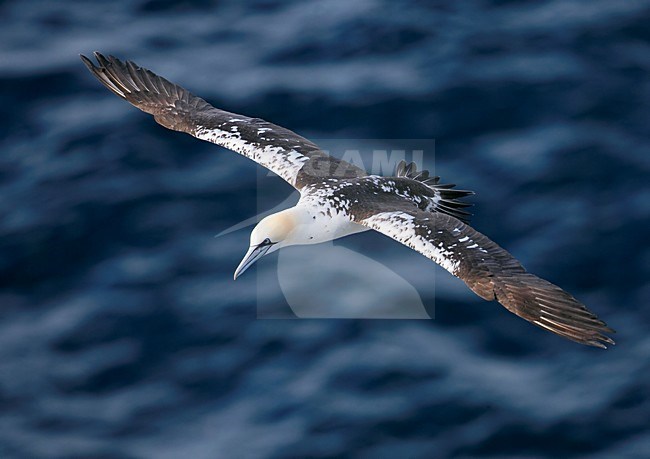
{"points": [[176, 108], [489, 270]]}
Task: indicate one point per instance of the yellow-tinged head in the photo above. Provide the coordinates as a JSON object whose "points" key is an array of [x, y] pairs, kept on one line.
{"points": [[270, 234]]}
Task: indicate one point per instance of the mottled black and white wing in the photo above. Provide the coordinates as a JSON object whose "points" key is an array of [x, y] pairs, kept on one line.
{"points": [[489, 270], [292, 157]]}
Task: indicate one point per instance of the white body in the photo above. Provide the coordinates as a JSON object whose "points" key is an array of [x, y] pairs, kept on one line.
{"points": [[313, 225], [312, 221]]}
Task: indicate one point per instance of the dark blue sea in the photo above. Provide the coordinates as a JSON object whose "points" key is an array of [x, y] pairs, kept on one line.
{"points": [[122, 333]]}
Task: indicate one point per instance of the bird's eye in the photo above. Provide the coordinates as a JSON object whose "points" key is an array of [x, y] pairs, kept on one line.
{"points": [[265, 242]]}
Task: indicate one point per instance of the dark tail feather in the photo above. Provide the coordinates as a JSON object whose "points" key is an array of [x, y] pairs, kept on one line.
{"points": [[448, 202]]}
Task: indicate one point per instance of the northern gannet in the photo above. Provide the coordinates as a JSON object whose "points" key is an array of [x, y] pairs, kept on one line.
{"points": [[338, 199]]}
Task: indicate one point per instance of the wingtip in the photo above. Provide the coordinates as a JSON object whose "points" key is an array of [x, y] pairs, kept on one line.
{"points": [[105, 71], [602, 339], [602, 343], [87, 61]]}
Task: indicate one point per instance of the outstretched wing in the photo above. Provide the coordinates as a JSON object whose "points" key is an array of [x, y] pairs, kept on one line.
{"points": [[292, 157], [489, 270]]}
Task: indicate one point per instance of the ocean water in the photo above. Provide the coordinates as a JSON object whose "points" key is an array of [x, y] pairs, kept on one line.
{"points": [[122, 334]]}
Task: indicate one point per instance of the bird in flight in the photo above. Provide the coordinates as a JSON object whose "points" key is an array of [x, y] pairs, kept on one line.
{"points": [[338, 199]]}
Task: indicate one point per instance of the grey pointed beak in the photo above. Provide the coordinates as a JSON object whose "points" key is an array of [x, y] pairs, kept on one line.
{"points": [[254, 253]]}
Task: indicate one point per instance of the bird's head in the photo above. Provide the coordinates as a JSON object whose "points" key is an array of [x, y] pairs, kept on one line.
{"points": [[270, 234]]}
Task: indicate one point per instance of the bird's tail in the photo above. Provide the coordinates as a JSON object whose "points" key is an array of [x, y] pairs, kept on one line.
{"points": [[445, 197]]}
